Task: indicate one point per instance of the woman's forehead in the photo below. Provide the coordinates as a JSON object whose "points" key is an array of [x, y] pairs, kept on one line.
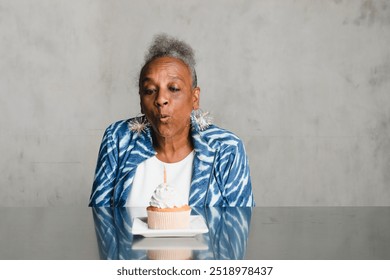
{"points": [[172, 67]]}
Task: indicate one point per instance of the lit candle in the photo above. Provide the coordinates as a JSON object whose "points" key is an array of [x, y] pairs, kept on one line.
{"points": [[165, 175]]}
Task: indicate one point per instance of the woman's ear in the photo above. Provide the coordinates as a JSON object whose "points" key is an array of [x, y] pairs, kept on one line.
{"points": [[195, 98]]}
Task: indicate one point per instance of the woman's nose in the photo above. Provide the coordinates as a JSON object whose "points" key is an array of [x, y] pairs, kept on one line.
{"points": [[161, 99]]}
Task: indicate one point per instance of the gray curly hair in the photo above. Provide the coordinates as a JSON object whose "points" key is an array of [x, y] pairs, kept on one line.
{"points": [[164, 45]]}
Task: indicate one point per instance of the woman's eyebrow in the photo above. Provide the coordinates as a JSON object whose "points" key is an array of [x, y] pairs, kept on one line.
{"points": [[145, 79], [172, 77], [176, 78]]}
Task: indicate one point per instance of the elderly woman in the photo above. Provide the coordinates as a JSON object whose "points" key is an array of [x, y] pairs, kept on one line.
{"points": [[207, 165]]}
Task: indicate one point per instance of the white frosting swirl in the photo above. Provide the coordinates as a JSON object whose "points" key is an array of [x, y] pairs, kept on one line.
{"points": [[165, 196]]}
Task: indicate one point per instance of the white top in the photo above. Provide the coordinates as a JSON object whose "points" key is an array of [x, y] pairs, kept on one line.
{"points": [[150, 174]]}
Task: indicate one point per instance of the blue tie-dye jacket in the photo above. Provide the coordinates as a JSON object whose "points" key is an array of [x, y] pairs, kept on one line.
{"points": [[220, 174]]}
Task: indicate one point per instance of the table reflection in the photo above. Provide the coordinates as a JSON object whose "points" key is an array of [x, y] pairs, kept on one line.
{"points": [[227, 237]]}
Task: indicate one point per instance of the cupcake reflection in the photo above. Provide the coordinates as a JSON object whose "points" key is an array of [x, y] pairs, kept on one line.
{"points": [[171, 248], [174, 254]]}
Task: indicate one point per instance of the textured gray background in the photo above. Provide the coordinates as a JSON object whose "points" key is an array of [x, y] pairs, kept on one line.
{"points": [[305, 84]]}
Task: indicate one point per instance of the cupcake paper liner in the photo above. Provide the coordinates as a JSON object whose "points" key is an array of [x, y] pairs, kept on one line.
{"points": [[169, 220]]}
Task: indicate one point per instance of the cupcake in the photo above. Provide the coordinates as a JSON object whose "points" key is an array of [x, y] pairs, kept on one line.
{"points": [[167, 210]]}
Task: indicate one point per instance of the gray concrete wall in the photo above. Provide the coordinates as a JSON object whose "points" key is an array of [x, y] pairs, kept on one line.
{"points": [[305, 84]]}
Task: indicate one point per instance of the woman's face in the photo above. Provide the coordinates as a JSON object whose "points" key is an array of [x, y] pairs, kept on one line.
{"points": [[167, 96]]}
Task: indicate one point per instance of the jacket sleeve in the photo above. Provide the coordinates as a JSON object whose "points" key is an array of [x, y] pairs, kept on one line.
{"points": [[106, 170], [235, 176]]}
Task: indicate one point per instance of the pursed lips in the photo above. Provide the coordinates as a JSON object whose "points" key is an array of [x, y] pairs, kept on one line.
{"points": [[164, 117]]}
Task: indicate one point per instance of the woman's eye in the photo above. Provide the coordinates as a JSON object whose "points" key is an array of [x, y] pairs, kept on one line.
{"points": [[174, 89], [149, 91]]}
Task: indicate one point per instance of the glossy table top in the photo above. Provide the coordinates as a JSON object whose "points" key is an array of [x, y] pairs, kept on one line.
{"points": [[234, 233]]}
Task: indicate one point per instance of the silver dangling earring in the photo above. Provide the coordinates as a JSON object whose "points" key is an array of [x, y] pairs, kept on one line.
{"points": [[139, 123], [202, 119]]}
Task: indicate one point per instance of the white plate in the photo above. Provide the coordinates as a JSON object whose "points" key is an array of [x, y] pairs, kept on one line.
{"points": [[170, 243], [197, 226]]}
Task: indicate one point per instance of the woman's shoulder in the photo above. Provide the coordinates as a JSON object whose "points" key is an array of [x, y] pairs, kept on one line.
{"points": [[120, 133], [120, 127], [218, 137]]}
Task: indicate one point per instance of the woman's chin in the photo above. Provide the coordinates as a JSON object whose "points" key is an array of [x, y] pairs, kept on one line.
{"points": [[163, 132], [166, 130]]}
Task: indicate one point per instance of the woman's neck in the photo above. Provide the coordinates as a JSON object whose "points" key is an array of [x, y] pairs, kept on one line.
{"points": [[172, 150]]}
